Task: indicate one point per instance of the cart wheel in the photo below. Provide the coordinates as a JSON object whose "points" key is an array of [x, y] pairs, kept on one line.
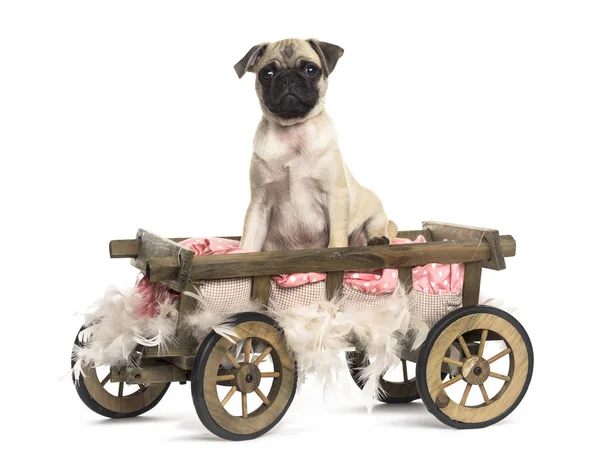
{"points": [[403, 391], [235, 399], [110, 400], [500, 370]]}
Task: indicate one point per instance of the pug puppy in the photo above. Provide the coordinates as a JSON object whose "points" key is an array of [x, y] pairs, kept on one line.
{"points": [[302, 194]]}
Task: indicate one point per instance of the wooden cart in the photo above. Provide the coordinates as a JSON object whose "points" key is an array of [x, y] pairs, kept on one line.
{"points": [[257, 366]]}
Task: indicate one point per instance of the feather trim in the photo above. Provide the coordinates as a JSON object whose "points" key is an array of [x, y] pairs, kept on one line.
{"points": [[207, 317], [115, 324], [317, 333]]}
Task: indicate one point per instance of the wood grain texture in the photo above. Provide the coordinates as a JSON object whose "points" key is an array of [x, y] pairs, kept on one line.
{"points": [[281, 388], [184, 363], [124, 248], [131, 247], [334, 284], [155, 246], [507, 395], [158, 372], [185, 346], [446, 231], [261, 289], [472, 283], [326, 260], [121, 404], [186, 306], [405, 278]]}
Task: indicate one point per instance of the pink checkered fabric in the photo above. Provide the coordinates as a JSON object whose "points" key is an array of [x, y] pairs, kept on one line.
{"points": [[283, 298], [352, 298], [225, 294], [432, 307]]}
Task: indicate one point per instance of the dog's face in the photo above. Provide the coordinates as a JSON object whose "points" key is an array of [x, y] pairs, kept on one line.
{"points": [[291, 77]]}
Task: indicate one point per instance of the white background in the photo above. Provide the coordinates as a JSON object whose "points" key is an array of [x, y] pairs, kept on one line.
{"points": [[116, 115]]}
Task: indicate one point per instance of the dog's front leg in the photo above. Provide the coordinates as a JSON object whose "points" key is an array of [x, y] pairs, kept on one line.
{"points": [[378, 228], [338, 211], [255, 226]]}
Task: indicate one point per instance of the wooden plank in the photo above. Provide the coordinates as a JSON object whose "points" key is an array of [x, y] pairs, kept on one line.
{"points": [[327, 259], [472, 283], [184, 363], [186, 346], [158, 373], [405, 278], [187, 305], [124, 248], [334, 284], [130, 248], [446, 231], [261, 287], [155, 246]]}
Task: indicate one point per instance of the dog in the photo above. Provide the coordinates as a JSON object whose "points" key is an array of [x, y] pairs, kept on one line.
{"points": [[302, 194]]}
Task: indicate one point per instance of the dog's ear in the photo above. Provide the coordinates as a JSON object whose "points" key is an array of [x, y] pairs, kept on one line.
{"points": [[328, 53], [250, 59]]}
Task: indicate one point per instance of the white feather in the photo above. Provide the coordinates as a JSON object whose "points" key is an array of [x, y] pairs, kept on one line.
{"points": [[318, 333], [207, 317], [115, 325]]}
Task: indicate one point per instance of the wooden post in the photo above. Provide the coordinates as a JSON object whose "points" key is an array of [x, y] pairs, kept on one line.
{"points": [[471, 283], [456, 232], [405, 278], [334, 282], [187, 305], [261, 288]]}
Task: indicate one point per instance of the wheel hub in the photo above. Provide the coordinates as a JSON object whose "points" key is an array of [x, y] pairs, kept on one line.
{"points": [[247, 377], [475, 370]]}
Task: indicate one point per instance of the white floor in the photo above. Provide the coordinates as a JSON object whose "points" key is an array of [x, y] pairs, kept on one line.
{"points": [[334, 429]]}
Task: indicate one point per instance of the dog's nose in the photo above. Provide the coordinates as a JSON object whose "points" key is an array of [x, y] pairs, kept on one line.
{"points": [[288, 79]]}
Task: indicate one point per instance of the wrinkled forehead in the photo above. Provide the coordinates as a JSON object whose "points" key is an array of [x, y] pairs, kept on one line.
{"points": [[288, 53]]}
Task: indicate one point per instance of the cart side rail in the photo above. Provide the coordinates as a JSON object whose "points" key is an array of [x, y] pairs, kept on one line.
{"points": [[328, 259], [130, 248]]}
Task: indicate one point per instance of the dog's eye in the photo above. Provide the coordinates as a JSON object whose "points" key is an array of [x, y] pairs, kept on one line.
{"points": [[268, 74], [311, 70]]}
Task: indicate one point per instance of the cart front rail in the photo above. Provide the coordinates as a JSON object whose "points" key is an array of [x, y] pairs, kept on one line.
{"points": [[328, 259]]}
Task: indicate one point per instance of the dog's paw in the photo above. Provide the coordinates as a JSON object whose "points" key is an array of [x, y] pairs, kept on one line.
{"points": [[378, 241]]}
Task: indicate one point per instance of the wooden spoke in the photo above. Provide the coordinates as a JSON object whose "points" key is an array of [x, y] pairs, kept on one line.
{"points": [[244, 405], [263, 355], [247, 350], [253, 416], [221, 378], [262, 396], [229, 395], [465, 348], [232, 359], [105, 380], [501, 377], [484, 334], [453, 361], [499, 355], [463, 400], [452, 381], [404, 370], [121, 384], [484, 394]]}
